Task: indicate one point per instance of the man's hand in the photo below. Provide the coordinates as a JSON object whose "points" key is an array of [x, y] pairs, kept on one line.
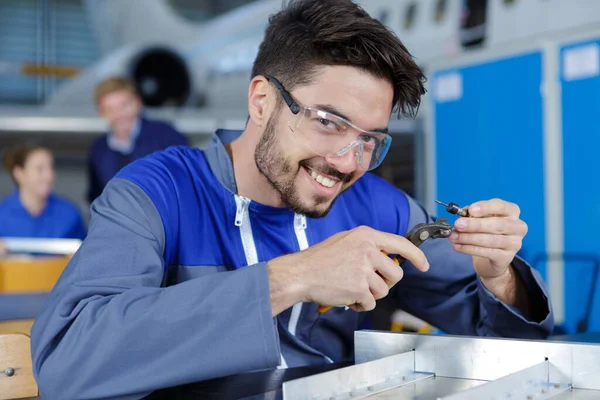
{"points": [[347, 269], [492, 235]]}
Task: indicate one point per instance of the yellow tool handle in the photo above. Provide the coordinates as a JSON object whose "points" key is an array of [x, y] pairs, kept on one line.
{"points": [[324, 309]]}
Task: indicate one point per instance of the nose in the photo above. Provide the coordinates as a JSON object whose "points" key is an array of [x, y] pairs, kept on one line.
{"points": [[345, 163]]}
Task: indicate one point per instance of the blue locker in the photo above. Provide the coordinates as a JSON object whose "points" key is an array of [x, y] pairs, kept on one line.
{"points": [[581, 143], [488, 137]]}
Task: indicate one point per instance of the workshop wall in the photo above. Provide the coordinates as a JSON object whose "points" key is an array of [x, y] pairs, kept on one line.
{"points": [[503, 124]]}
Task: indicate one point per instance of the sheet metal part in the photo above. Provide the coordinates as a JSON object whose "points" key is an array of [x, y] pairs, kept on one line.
{"points": [[460, 367], [356, 381], [529, 383]]}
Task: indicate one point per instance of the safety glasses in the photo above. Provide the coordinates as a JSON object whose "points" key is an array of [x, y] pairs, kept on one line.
{"points": [[329, 135]]}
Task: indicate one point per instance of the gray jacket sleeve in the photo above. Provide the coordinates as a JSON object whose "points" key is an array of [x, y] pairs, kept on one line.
{"points": [[451, 297], [109, 330]]}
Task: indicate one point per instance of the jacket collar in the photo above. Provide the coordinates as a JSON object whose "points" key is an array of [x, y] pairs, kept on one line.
{"points": [[218, 158]]}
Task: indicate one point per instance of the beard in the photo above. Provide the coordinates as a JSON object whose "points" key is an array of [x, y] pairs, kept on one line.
{"points": [[281, 173]]}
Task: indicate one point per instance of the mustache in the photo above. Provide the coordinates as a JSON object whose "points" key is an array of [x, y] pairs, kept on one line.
{"points": [[328, 170]]}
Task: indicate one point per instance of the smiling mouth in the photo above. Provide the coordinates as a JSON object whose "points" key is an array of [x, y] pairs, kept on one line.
{"points": [[323, 180]]}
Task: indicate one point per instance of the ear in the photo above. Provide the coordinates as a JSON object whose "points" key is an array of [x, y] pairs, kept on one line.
{"points": [[258, 96], [17, 174]]}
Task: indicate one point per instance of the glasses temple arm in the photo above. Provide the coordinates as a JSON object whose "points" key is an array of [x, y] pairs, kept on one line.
{"points": [[294, 107]]}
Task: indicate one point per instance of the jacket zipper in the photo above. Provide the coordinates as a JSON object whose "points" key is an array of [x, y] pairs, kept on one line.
{"points": [[242, 220], [300, 230]]}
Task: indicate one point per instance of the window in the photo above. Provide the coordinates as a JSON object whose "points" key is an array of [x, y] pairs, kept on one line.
{"points": [[440, 11], [410, 16], [57, 35], [472, 27]]}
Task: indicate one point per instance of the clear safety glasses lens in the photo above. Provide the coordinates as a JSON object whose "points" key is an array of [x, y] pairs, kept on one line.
{"points": [[329, 135]]}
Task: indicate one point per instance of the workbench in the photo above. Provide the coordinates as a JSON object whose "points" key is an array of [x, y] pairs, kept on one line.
{"points": [[416, 366]]}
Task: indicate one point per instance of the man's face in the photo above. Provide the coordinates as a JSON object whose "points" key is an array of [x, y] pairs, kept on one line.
{"points": [[121, 110], [310, 183]]}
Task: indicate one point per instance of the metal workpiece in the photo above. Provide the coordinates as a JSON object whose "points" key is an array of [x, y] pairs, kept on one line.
{"points": [[357, 381], [444, 367], [455, 209], [529, 383]]}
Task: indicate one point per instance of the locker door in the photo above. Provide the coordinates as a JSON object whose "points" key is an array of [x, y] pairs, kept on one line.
{"points": [[488, 138], [581, 144]]}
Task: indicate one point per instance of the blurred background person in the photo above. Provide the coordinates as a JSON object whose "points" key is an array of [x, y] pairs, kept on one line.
{"points": [[131, 135], [32, 209]]}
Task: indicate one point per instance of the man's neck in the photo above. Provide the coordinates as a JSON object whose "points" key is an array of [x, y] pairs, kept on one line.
{"points": [[250, 182], [32, 203]]}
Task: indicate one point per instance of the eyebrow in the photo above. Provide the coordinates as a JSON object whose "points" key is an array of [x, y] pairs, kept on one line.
{"points": [[332, 110]]}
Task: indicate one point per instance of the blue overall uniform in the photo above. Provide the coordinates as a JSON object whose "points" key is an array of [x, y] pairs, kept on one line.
{"points": [[171, 284]]}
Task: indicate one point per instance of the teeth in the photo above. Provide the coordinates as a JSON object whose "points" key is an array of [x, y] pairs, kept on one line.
{"points": [[322, 180]]}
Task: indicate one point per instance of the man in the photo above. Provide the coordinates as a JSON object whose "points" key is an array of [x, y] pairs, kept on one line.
{"points": [[206, 263], [131, 135]]}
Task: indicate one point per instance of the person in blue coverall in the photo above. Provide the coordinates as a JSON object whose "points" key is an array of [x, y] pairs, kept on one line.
{"points": [[202, 263], [131, 135], [32, 210]]}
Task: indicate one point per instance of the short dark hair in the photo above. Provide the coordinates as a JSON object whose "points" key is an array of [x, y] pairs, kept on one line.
{"points": [[307, 34]]}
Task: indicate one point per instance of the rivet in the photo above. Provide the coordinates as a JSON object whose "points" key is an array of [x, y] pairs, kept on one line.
{"points": [[9, 371]]}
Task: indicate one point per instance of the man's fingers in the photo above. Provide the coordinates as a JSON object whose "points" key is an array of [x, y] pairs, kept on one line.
{"points": [[366, 303], [395, 244], [496, 225], [388, 270], [487, 240], [378, 287], [494, 207], [498, 256]]}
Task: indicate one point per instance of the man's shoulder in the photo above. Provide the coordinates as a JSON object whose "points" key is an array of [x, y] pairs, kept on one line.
{"points": [[158, 124], [175, 163], [163, 133]]}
